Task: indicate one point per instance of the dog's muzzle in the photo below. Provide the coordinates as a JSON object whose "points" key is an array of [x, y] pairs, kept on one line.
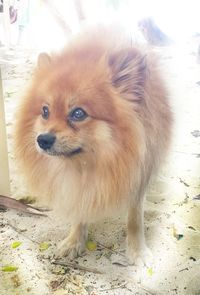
{"points": [[46, 141]]}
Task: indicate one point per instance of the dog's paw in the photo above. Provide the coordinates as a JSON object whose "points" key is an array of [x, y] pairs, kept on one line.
{"points": [[70, 248], [140, 257], [74, 245]]}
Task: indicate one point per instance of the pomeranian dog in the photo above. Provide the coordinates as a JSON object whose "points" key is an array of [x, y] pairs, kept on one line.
{"points": [[91, 130]]}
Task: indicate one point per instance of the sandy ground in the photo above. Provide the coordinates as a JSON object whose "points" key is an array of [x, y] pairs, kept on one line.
{"points": [[172, 216]]}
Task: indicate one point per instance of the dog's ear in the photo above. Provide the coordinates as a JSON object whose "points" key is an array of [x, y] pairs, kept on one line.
{"points": [[44, 60], [128, 70]]}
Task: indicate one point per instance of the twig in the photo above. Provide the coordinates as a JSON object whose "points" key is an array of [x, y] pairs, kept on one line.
{"points": [[116, 252], [76, 266], [113, 288], [184, 269], [197, 197], [56, 283], [182, 181], [149, 291], [138, 285], [20, 232]]}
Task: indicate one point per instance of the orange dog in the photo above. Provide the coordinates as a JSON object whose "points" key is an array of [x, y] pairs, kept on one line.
{"points": [[92, 128]]}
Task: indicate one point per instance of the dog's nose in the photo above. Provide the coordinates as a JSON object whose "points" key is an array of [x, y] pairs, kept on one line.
{"points": [[45, 141]]}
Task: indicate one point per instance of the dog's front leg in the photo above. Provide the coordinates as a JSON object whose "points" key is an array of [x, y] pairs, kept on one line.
{"points": [[137, 251], [74, 244]]}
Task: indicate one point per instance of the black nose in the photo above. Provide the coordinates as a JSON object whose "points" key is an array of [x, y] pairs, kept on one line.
{"points": [[45, 141]]}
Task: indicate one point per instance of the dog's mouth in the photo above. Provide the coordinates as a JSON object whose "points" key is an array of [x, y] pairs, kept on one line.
{"points": [[74, 152], [46, 144], [71, 153]]}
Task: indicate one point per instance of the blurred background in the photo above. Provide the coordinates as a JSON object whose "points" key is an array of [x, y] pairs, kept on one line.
{"points": [[46, 24]]}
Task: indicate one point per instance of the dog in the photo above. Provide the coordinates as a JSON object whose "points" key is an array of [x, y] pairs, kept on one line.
{"points": [[92, 128]]}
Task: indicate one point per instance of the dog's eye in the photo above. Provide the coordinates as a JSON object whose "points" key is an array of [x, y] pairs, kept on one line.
{"points": [[78, 115], [45, 112]]}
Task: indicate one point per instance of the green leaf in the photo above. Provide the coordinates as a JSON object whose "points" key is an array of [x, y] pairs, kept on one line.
{"points": [[44, 246], [9, 268], [91, 246], [16, 244], [150, 271]]}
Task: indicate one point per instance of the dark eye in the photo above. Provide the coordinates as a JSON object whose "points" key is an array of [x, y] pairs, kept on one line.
{"points": [[45, 112], [78, 115]]}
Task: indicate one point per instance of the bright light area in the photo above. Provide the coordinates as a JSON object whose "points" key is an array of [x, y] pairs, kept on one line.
{"points": [[178, 19]]}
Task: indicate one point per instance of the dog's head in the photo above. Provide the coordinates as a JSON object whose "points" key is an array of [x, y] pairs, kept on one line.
{"points": [[83, 100]]}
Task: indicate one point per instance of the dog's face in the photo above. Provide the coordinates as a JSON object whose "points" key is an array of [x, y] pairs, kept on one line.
{"points": [[74, 112], [77, 108]]}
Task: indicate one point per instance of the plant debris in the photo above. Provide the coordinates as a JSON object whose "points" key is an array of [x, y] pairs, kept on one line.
{"points": [[91, 246], [76, 266], [110, 249], [115, 287], [182, 181], [55, 284], [150, 271], [184, 269], [197, 197], [9, 268], [16, 244], [27, 200], [192, 258], [44, 246], [16, 280], [121, 264], [10, 203], [192, 228]]}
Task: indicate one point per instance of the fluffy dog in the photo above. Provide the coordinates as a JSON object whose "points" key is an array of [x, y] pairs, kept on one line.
{"points": [[91, 130]]}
